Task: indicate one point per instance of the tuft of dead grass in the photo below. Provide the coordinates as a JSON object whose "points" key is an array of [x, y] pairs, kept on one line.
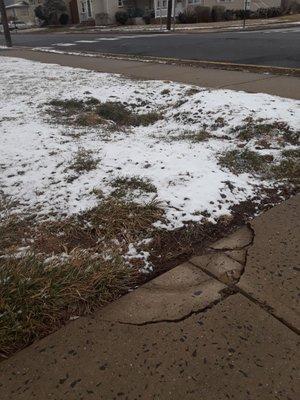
{"points": [[69, 268], [36, 298], [125, 185], [247, 161], [83, 161], [92, 112], [187, 136], [192, 91], [244, 161], [116, 218], [278, 131], [287, 169]]}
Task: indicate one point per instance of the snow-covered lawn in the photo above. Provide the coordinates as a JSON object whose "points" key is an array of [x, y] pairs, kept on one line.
{"points": [[98, 174], [36, 149]]}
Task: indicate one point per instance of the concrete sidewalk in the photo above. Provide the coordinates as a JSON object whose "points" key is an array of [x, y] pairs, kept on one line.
{"points": [[284, 86], [224, 325]]}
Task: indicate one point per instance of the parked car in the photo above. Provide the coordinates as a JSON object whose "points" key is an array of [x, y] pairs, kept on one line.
{"points": [[17, 25]]}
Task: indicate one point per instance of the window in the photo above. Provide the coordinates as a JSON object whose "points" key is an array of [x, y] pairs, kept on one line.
{"points": [[120, 3], [194, 1], [162, 4]]}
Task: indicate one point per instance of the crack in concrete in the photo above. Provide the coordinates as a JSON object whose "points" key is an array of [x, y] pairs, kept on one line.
{"points": [[225, 293], [236, 289], [245, 246], [268, 309]]}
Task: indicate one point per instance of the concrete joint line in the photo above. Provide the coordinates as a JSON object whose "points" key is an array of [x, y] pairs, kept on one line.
{"points": [[249, 81], [233, 286]]}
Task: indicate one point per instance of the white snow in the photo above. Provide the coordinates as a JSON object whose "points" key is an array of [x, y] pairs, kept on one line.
{"points": [[35, 151]]}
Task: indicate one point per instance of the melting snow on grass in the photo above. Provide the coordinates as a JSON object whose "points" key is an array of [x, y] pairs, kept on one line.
{"points": [[38, 148]]}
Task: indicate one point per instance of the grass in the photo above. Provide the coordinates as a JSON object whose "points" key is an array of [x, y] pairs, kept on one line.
{"points": [[70, 105], [244, 161], [218, 123], [165, 92], [124, 185], [291, 153], [37, 298], [276, 131], [83, 161], [287, 169], [191, 91], [189, 136], [289, 166], [64, 273], [121, 115], [115, 218], [91, 112]]}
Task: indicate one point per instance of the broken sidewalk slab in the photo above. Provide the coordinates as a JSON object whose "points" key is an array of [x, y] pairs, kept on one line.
{"points": [[238, 240], [271, 273], [220, 266], [235, 350], [237, 255], [170, 297]]}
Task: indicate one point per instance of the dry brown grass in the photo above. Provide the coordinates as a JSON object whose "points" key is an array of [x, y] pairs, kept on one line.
{"points": [[36, 298], [83, 161], [92, 112], [72, 266], [267, 133]]}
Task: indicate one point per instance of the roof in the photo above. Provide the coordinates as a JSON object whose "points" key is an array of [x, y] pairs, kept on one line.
{"points": [[19, 4]]}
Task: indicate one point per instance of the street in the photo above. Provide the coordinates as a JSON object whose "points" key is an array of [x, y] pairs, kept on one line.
{"points": [[276, 47]]}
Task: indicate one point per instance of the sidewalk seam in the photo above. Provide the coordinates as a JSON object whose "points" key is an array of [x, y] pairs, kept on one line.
{"points": [[236, 289]]}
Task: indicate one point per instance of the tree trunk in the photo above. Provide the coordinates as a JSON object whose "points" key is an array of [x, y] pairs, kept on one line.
{"points": [[5, 24], [169, 15]]}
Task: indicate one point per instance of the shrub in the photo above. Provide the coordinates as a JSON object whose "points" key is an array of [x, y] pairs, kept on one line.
{"points": [[202, 14], [121, 17], [229, 15], [64, 19], [194, 14], [218, 13], [148, 16], [187, 17]]}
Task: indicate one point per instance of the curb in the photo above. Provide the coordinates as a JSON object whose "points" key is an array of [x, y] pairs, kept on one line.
{"points": [[190, 31], [264, 69]]}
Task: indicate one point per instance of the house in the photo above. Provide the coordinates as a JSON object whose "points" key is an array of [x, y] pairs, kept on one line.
{"points": [[103, 11], [160, 6], [18, 10], [21, 10]]}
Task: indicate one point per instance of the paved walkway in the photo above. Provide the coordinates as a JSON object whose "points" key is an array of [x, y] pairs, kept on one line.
{"points": [[285, 86], [224, 325]]}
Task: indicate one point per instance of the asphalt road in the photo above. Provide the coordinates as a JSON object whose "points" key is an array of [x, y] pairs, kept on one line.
{"points": [[275, 47]]}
